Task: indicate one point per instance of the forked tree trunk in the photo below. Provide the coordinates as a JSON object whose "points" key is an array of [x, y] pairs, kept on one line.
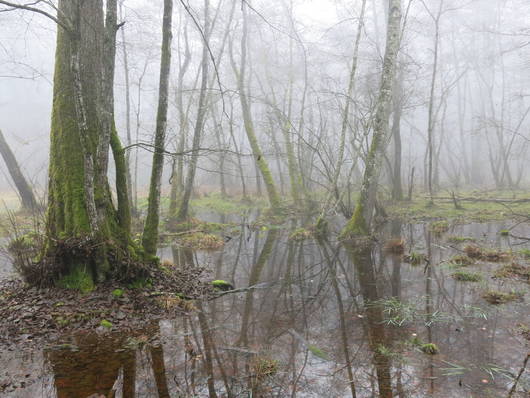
{"points": [[27, 197], [79, 199], [361, 222], [150, 235]]}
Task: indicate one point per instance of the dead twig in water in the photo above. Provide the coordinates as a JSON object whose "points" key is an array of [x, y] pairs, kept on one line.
{"points": [[514, 387]]}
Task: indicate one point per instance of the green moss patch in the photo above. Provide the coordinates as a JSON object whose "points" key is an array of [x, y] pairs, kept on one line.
{"points": [[222, 285], [477, 206], [106, 324], [79, 279]]}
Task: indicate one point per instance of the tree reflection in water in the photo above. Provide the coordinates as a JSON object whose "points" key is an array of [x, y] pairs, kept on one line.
{"points": [[311, 321]]}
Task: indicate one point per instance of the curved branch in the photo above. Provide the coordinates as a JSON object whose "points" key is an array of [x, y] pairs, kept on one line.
{"points": [[28, 7]]}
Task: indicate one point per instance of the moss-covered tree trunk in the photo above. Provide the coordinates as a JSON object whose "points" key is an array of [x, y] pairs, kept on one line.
{"points": [[361, 221], [150, 235], [80, 207], [27, 197]]}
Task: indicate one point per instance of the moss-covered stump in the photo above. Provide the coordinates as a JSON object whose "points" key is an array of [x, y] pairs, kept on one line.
{"points": [[222, 285]]}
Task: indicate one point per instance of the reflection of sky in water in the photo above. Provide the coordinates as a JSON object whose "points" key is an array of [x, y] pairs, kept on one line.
{"points": [[288, 334]]}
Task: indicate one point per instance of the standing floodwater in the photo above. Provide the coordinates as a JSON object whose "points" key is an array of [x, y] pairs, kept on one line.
{"points": [[311, 318]]}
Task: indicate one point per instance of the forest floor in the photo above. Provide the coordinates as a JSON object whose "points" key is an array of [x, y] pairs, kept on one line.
{"points": [[472, 206], [29, 315]]}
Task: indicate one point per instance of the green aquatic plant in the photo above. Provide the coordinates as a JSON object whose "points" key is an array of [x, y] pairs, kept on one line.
{"points": [[464, 276], [462, 260], [430, 348], [397, 312], [514, 270], [439, 227], [460, 239], [496, 297]]}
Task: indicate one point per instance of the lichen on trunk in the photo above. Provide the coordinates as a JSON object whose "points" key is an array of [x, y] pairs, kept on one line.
{"points": [[76, 187]]}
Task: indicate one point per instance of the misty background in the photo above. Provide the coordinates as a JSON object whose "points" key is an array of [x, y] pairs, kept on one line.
{"points": [[481, 98]]}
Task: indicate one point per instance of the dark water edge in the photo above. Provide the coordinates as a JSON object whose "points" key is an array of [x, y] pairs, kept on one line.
{"points": [[318, 322]]}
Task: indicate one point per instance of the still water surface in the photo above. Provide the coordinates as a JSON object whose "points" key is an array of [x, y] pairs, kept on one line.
{"points": [[318, 321]]}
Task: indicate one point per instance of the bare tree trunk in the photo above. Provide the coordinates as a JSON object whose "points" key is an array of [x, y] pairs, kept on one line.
{"points": [[397, 186], [431, 121], [259, 158], [346, 112], [127, 111], [177, 180], [361, 221], [150, 235], [183, 210], [25, 192]]}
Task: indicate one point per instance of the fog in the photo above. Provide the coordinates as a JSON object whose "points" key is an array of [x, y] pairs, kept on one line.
{"points": [[480, 96], [264, 198]]}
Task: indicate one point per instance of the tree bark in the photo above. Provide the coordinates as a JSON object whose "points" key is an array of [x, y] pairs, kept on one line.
{"points": [[397, 186], [79, 197], [261, 163], [361, 221], [150, 235], [183, 210]]}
